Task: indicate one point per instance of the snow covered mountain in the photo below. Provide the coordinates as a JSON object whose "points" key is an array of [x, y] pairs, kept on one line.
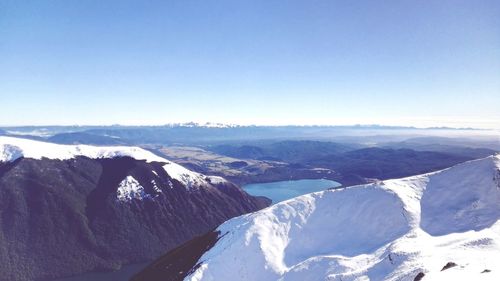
{"points": [[68, 209], [14, 148], [438, 226]]}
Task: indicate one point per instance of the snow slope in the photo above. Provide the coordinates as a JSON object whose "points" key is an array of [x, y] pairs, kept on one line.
{"points": [[14, 148], [390, 230]]}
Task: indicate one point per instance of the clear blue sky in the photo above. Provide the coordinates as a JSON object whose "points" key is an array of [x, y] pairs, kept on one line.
{"points": [[263, 62]]}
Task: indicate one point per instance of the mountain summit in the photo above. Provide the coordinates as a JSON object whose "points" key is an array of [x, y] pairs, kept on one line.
{"points": [[69, 209], [438, 226]]}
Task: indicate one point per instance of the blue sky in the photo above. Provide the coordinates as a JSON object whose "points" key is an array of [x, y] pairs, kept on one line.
{"points": [[423, 63]]}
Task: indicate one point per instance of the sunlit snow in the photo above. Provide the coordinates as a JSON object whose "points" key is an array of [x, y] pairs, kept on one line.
{"points": [[129, 189], [13, 148], [391, 230]]}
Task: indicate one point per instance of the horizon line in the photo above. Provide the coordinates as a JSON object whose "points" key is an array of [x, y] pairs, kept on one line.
{"points": [[228, 125]]}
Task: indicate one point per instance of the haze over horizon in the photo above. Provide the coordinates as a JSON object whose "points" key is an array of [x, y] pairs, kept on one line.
{"points": [[423, 64], [457, 124]]}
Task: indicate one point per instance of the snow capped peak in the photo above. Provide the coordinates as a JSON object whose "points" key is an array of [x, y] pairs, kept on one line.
{"points": [[203, 125], [12, 149], [391, 230]]}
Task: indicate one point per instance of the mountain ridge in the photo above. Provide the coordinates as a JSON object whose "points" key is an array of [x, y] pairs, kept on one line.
{"points": [[67, 210], [401, 229]]}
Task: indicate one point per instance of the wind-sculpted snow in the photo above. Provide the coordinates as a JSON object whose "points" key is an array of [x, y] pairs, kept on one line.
{"points": [[331, 215], [391, 230], [472, 201]]}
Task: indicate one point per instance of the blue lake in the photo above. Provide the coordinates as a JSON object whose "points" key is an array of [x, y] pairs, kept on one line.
{"points": [[283, 190]]}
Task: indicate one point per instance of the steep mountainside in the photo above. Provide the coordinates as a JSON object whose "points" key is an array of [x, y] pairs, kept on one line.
{"points": [[71, 209], [438, 226]]}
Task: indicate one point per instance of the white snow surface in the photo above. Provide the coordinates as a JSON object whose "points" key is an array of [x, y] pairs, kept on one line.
{"points": [[390, 230], [13, 148], [129, 189]]}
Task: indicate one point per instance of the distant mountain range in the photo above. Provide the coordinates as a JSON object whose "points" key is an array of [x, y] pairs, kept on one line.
{"points": [[438, 226], [69, 209], [193, 133], [387, 152]]}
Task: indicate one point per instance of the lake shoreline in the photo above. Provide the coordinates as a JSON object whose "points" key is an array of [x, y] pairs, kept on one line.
{"points": [[279, 191]]}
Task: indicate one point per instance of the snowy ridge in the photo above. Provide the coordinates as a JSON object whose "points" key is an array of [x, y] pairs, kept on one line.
{"points": [[13, 148], [391, 230]]}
